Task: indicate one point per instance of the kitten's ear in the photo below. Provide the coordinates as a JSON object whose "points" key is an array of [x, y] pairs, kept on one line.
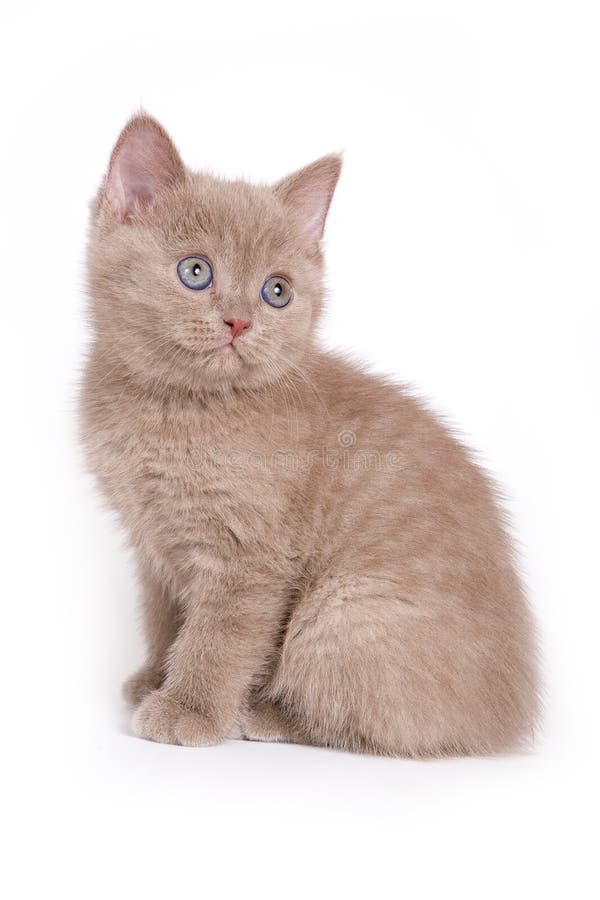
{"points": [[143, 163], [308, 192]]}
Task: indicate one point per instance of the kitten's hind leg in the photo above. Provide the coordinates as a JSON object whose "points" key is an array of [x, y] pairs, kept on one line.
{"points": [[267, 721], [378, 666]]}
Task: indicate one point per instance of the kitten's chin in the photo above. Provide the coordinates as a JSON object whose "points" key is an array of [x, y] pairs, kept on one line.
{"points": [[231, 368], [226, 368], [225, 360]]}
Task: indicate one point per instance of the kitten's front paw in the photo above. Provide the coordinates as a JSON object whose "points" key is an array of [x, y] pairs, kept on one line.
{"points": [[162, 719], [140, 684]]}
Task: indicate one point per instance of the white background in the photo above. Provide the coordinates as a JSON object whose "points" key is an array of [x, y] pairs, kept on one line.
{"points": [[463, 256]]}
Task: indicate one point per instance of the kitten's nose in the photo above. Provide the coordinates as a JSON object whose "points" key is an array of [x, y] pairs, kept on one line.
{"points": [[237, 326]]}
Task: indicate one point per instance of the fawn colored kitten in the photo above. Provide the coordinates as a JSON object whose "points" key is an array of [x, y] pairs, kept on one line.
{"points": [[320, 561]]}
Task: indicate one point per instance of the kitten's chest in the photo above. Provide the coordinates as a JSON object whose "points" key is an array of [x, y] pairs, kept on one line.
{"points": [[194, 489]]}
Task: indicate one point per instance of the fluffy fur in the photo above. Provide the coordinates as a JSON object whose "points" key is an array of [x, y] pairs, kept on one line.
{"points": [[320, 560]]}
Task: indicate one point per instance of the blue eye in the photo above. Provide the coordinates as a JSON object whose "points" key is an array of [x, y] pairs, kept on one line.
{"points": [[277, 291], [195, 272]]}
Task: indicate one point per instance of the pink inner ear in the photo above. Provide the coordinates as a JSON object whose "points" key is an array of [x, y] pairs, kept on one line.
{"points": [[308, 193], [144, 161]]}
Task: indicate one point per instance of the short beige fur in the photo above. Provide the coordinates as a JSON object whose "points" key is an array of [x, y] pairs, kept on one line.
{"points": [[320, 560]]}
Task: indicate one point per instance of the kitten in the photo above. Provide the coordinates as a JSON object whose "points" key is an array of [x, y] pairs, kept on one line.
{"points": [[320, 561]]}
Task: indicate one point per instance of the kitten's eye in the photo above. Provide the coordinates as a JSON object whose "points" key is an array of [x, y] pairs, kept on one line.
{"points": [[277, 291], [195, 272]]}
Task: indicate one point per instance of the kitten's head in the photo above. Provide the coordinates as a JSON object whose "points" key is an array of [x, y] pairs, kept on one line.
{"points": [[200, 282]]}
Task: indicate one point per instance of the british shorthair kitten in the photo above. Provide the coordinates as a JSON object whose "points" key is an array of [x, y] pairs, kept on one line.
{"points": [[320, 561]]}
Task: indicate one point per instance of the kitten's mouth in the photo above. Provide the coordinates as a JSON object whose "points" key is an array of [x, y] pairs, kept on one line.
{"points": [[229, 350]]}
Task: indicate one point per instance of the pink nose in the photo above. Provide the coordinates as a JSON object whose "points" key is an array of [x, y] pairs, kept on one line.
{"points": [[237, 326]]}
